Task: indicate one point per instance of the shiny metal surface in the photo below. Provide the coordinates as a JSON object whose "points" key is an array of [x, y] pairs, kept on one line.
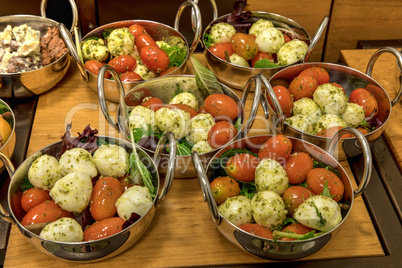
{"points": [[9, 146], [74, 9]]}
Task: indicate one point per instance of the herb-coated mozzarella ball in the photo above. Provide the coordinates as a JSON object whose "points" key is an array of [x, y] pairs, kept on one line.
{"points": [[271, 176], [136, 199], [270, 40], [319, 212], [238, 60], [111, 160], [221, 32], [143, 71], [237, 210], [301, 122], [77, 159], [259, 26], [353, 115], [95, 50], [199, 127], [120, 42], [176, 41], [174, 120], [329, 120], [73, 191], [142, 117], [44, 172], [330, 98], [187, 98], [63, 230], [306, 106], [202, 147], [268, 209], [292, 52]]}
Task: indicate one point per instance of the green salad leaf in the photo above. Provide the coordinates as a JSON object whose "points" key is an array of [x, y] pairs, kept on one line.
{"points": [[176, 54], [206, 80], [265, 63], [208, 40]]}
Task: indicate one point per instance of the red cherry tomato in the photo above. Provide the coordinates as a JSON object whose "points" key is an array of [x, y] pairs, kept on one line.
{"points": [[221, 107], [15, 202], [136, 30], [244, 46], [123, 63], [104, 228], [256, 229], [361, 129], [219, 50], [221, 133], [320, 74], [294, 196], [135, 97], [105, 194], [224, 187], [93, 66], [297, 166], [242, 167], [364, 98], [287, 38], [46, 211], [183, 107], [33, 197], [130, 77], [168, 71], [303, 86], [202, 110], [285, 99], [261, 55], [277, 147], [316, 179], [337, 85], [155, 58], [153, 103], [296, 228], [143, 41]]}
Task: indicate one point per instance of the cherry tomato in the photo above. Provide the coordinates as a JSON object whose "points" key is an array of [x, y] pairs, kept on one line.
{"points": [[153, 103], [242, 167], [284, 98], [316, 179], [123, 63], [256, 229], [297, 166], [296, 228], [130, 77], [329, 132], [361, 129], [294, 196], [155, 58], [143, 41], [221, 107], [168, 71], [15, 202], [277, 147], [337, 85], [224, 187], [93, 66], [303, 86], [184, 107], [219, 50], [33, 197], [202, 110], [136, 30], [221, 133], [104, 228], [135, 97], [244, 46], [261, 55], [287, 38], [320, 74], [104, 196], [46, 211], [364, 98]]}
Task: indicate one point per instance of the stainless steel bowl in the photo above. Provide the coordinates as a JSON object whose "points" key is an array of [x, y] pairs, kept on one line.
{"points": [[235, 76], [8, 145]]}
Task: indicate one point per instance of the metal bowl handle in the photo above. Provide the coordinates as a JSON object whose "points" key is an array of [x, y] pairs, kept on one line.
{"points": [[214, 10], [167, 135], [368, 161], [374, 58], [205, 187], [196, 18], [43, 5], [316, 37], [10, 168]]}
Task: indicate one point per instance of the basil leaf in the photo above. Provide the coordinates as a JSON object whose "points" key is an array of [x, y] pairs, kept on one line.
{"points": [[206, 80], [265, 63]]}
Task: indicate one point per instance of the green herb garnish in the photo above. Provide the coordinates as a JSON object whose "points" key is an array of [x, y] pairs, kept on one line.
{"points": [[176, 54], [206, 80], [265, 63]]}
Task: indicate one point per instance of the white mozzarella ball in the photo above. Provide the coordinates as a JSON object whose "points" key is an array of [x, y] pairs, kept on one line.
{"points": [[327, 121], [202, 147], [187, 98], [221, 32], [199, 127], [136, 199], [44, 172], [143, 71], [268, 209], [63, 230], [353, 115], [270, 40], [77, 159], [319, 212], [174, 120], [238, 60], [142, 117], [259, 26], [301, 122], [237, 210], [307, 106], [95, 50], [120, 42], [271, 176], [292, 52], [111, 160], [330, 98]]}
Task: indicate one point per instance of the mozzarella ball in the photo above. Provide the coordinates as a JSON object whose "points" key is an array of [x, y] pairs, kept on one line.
{"points": [[306, 106], [202, 147], [44, 172], [187, 98], [238, 60], [292, 52], [63, 230], [77, 159], [353, 115], [330, 98], [176, 41], [95, 50], [268, 209], [270, 40], [301, 122], [259, 26], [73, 191], [142, 117], [199, 127], [221, 32], [174, 120], [271, 176], [143, 71], [319, 212], [236, 210], [111, 160], [120, 42], [327, 121], [136, 199]]}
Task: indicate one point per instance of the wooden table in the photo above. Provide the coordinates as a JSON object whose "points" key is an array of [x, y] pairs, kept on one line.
{"points": [[182, 232]]}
